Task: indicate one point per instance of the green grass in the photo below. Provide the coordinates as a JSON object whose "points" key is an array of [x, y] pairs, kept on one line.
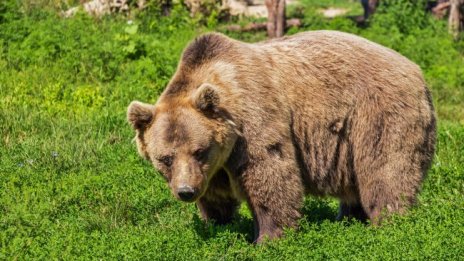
{"points": [[73, 187], [352, 7]]}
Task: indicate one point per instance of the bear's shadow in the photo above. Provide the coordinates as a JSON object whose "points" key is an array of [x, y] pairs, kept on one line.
{"points": [[317, 211], [314, 211], [209, 230]]}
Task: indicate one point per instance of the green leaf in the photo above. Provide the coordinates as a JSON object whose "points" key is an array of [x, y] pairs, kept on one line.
{"points": [[132, 29]]}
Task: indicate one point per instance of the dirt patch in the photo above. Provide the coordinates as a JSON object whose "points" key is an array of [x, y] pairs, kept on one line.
{"points": [[332, 12]]}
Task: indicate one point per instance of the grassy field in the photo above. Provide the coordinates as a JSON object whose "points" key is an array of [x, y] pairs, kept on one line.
{"points": [[73, 187]]}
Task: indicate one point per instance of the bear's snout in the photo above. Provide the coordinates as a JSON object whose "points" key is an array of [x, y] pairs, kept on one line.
{"points": [[186, 193]]}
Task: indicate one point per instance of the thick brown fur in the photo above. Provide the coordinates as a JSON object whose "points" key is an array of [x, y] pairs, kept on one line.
{"points": [[324, 112]]}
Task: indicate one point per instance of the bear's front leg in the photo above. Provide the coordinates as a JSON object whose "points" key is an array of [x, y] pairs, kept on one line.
{"points": [[275, 194], [218, 203]]}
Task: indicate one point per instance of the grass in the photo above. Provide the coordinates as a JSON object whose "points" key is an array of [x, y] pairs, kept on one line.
{"points": [[73, 187], [352, 7]]}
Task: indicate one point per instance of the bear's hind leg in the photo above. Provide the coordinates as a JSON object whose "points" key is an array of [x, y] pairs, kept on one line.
{"points": [[391, 158], [380, 198]]}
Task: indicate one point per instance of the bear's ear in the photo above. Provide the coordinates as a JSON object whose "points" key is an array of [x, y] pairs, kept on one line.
{"points": [[140, 114], [206, 98]]}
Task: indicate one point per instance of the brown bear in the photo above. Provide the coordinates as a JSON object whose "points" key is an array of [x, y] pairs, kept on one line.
{"points": [[323, 112]]}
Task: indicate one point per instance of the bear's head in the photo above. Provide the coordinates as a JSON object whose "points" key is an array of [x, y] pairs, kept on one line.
{"points": [[187, 138]]}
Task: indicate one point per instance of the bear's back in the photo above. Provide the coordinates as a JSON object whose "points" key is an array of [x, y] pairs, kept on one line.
{"points": [[314, 66], [335, 54]]}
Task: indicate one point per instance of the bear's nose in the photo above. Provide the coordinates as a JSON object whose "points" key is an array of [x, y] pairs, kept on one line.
{"points": [[185, 193]]}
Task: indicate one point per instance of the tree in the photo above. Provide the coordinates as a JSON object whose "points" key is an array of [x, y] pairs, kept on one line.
{"points": [[275, 18], [456, 17], [369, 7]]}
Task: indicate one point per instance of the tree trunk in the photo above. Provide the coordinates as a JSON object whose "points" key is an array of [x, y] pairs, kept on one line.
{"points": [[373, 6], [456, 16], [369, 7], [275, 18]]}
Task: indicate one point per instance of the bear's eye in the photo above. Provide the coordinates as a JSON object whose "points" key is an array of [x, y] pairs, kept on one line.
{"points": [[166, 160], [201, 154]]}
